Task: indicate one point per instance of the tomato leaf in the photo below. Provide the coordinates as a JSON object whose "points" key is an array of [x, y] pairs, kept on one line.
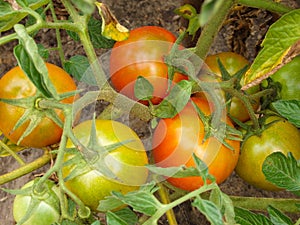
{"points": [[121, 217], [208, 9], [283, 171], [79, 67], [289, 109], [142, 200], [97, 39], [111, 28], [245, 217], [143, 89], [9, 16], [175, 101], [281, 36], [209, 210], [277, 217], [177, 172], [32, 64], [85, 6], [203, 169]]}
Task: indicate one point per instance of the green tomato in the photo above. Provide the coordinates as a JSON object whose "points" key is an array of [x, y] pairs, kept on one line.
{"points": [[289, 78], [126, 162], [281, 136], [47, 206]]}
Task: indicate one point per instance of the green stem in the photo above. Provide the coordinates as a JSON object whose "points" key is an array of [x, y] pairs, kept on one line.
{"points": [[58, 36], [179, 201], [246, 102], [269, 5], [254, 203], [12, 153], [211, 29], [36, 164]]}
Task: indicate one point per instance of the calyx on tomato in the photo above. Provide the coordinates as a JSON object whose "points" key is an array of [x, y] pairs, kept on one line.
{"points": [[23, 122], [38, 209], [278, 135], [111, 158], [176, 139]]}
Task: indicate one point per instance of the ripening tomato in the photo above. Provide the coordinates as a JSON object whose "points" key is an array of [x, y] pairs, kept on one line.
{"points": [[16, 85], [176, 139], [233, 62], [126, 162], [281, 136], [142, 54], [46, 210]]}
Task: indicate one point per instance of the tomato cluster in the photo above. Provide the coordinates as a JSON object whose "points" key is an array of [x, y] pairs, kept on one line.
{"points": [[109, 156]]}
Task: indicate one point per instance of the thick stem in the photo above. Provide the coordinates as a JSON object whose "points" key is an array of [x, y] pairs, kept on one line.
{"points": [[36, 164], [261, 204], [211, 29], [269, 5]]}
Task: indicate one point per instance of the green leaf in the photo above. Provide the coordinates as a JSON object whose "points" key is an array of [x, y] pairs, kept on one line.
{"points": [[142, 200], [282, 34], [283, 171], [289, 109], [94, 29], [109, 203], [98, 40], [175, 101], [245, 217], [32, 64], [208, 9], [277, 217], [44, 52], [209, 210], [177, 172], [9, 17], [143, 89], [122, 217], [85, 6], [79, 67]]}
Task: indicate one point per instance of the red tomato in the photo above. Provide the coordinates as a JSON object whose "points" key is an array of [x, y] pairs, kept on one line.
{"points": [[142, 54], [176, 139]]}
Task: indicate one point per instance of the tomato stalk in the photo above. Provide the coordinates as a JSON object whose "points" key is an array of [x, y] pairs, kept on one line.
{"points": [[211, 29], [269, 5], [84, 211], [166, 207], [36, 164]]}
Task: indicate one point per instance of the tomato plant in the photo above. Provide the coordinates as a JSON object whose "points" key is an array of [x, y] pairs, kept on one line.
{"points": [[176, 139], [125, 162], [233, 63], [45, 207], [142, 54], [16, 85], [281, 136]]}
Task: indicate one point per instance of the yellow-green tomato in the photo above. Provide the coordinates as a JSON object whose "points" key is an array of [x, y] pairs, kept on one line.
{"points": [[47, 206], [125, 162], [281, 136]]}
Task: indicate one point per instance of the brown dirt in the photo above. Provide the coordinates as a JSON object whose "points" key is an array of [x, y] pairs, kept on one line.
{"points": [[242, 33]]}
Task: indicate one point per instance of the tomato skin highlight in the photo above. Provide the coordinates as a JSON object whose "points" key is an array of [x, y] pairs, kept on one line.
{"points": [[127, 162], [47, 211], [282, 137], [233, 62], [176, 139], [142, 54], [15, 85]]}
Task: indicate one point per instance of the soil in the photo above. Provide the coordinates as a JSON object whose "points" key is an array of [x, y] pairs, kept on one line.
{"points": [[242, 33]]}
